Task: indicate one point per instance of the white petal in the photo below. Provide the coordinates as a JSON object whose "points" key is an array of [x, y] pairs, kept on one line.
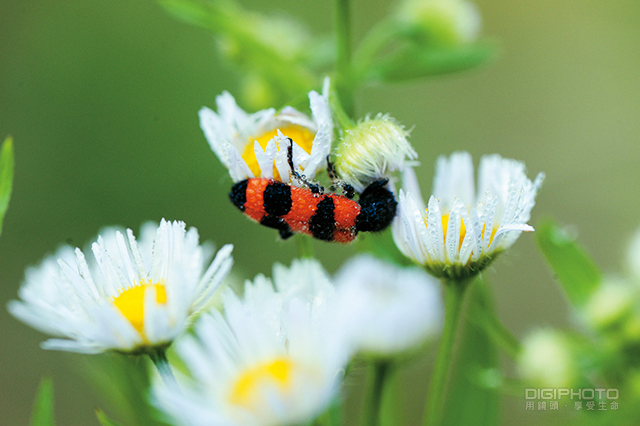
{"points": [[472, 239], [476, 244], [319, 151], [453, 230], [212, 278], [320, 110], [434, 230], [212, 127], [72, 346], [454, 179], [265, 157], [410, 184], [238, 168]]}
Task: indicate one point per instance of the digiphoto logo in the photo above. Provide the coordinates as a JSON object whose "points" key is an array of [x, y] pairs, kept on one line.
{"points": [[541, 399]]}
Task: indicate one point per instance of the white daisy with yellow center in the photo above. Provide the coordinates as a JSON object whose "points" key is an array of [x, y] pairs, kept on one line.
{"points": [[256, 145], [273, 359], [461, 231], [133, 298]]}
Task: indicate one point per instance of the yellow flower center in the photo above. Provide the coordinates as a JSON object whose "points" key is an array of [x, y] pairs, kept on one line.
{"points": [[300, 135], [248, 390], [463, 230], [131, 302]]}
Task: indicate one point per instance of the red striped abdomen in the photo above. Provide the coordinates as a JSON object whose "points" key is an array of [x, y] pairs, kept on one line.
{"points": [[290, 209]]}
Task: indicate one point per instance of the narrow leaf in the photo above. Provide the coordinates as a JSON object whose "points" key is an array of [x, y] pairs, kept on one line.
{"points": [[471, 400], [575, 270], [104, 420], [191, 12], [42, 414], [6, 176], [412, 62], [332, 415]]}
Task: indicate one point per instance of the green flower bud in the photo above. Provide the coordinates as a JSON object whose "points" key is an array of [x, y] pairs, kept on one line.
{"points": [[610, 304], [440, 22], [372, 149], [546, 360]]}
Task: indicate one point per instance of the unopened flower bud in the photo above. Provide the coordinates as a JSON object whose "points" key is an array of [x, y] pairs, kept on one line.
{"points": [[610, 304], [372, 149], [440, 22], [546, 360]]}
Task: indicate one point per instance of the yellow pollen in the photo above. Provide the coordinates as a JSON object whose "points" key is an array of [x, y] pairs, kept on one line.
{"points": [[248, 390], [300, 135], [131, 302]]}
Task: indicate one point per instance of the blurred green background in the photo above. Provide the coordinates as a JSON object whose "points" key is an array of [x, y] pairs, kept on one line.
{"points": [[102, 100]]}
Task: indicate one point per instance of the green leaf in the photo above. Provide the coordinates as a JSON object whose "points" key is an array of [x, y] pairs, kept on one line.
{"points": [[257, 44], [331, 416], [414, 61], [472, 398], [43, 408], [484, 316], [104, 420], [6, 176], [577, 273]]}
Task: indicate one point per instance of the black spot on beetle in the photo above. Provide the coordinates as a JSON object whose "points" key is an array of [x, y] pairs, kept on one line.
{"points": [[238, 194], [322, 224], [377, 207], [277, 223], [277, 199]]}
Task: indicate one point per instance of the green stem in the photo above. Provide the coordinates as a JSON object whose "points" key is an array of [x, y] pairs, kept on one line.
{"points": [[454, 297], [374, 41], [159, 358], [485, 317], [304, 246], [342, 17], [342, 118], [332, 416], [500, 335], [379, 371]]}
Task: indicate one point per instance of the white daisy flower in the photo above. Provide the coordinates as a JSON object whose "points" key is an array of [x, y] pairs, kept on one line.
{"points": [[371, 150], [462, 230], [256, 145], [387, 309], [135, 297], [271, 360]]}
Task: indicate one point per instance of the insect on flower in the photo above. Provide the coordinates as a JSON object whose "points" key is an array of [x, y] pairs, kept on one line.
{"points": [[311, 211]]}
